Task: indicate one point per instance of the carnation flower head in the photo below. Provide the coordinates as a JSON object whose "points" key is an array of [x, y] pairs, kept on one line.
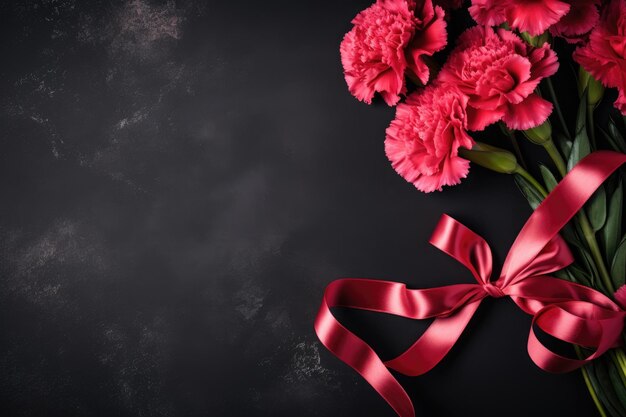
{"points": [[569, 19], [532, 16], [388, 39], [423, 140], [604, 56], [499, 72], [578, 22]]}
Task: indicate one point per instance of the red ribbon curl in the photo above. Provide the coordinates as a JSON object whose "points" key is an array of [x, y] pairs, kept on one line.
{"points": [[567, 311]]}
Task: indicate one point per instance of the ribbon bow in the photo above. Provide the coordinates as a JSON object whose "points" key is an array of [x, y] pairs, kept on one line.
{"points": [[567, 311]]}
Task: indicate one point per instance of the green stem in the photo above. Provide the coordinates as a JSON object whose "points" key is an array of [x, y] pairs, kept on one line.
{"points": [[516, 148], [592, 128], [521, 171], [590, 388], [589, 234], [621, 362], [621, 356], [554, 154], [557, 107], [590, 237]]}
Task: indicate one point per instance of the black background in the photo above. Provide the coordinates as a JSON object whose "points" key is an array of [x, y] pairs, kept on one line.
{"points": [[180, 180]]}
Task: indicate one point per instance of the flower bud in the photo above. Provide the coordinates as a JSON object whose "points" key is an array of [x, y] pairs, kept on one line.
{"points": [[490, 157], [540, 134], [595, 90]]}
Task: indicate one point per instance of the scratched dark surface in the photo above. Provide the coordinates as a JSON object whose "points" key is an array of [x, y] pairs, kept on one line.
{"points": [[178, 183]]}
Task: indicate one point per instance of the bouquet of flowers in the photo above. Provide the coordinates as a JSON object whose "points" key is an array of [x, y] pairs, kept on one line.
{"points": [[495, 80]]}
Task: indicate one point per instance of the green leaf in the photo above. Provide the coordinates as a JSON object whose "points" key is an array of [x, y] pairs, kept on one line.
{"points": [[548, 177], [572, 233], [569, 234], [581, 116], [528, 191], [581, 146], [618, 384], [590, 266], [583, 270], [612, 143], [576, 274], [566, 275], [565, 145], [596, 209], [609, 139], [616, 138], [612, 229], [618, 267], [580, 149], [603, 386]]}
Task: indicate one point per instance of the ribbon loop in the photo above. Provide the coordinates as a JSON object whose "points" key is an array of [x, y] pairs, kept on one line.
{"points": [[552, 257], [567, 311], [464, 245], [580, 323]]}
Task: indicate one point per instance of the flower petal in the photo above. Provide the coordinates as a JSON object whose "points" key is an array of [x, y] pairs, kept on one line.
{"points": [[432, 39], [479, 119], [581, 18], [487, 12], [529, 113], [620, 103], [535, 16]]}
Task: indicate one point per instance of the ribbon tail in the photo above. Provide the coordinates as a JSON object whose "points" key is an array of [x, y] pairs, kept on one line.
{"points": [[558, 208], [452, 306], [434, 344], [362, 358]]}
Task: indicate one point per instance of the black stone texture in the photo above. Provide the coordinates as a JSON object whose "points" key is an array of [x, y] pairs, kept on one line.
{"points": [[178, 183]]}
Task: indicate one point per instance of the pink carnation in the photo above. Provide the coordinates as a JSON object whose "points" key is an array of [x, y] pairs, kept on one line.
{"points": [[532, 16], [423, 141], [388, 39], [604, 56], [499, 73], [576, 24]]}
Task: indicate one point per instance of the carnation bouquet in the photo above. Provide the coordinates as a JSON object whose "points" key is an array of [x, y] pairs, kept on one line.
{"points": [[480, 84]]}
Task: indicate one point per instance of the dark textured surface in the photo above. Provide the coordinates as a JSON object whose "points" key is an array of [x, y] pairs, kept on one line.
{"points": [[179, 181]]}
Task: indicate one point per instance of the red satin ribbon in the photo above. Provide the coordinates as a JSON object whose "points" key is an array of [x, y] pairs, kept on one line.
{"points": [[570, 312]]}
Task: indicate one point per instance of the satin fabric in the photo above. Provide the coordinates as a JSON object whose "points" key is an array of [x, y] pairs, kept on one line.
{"points": [[567, 311]]}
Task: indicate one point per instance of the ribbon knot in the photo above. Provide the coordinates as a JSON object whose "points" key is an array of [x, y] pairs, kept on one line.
{"points": [[567, 311], [493, 290]]}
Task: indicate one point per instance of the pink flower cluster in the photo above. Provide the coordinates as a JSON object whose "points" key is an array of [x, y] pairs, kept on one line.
{"points": [[491, 75], [389, 40], [604, 56]]}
